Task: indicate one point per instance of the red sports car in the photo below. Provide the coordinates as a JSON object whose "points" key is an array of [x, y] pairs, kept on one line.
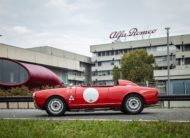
{"points": [[126, 96]]}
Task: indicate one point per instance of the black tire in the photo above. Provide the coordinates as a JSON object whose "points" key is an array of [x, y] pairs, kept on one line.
{"points": [[133, 104], [55, 106]]}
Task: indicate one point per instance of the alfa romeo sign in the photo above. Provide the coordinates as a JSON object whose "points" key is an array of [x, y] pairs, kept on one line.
{"points": [[116, 35]]}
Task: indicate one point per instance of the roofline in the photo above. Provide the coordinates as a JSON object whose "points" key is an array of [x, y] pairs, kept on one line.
{"points": [[57, 49], [139, 40]]}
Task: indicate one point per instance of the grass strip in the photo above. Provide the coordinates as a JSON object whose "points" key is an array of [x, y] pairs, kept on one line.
{"points": [[92, 129]]}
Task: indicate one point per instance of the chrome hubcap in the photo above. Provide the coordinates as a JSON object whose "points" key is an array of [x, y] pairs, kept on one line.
{"points": [[133, 104], [55, 106]]}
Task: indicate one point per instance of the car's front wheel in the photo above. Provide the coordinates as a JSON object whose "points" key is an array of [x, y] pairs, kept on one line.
{"points": [[55, 106], [133, 104]]}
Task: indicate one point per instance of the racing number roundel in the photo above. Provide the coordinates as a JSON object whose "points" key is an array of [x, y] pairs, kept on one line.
{"points": [[90, 95]]}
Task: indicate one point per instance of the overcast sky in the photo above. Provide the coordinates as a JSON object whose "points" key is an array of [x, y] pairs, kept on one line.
{"points": [[74, 25]]}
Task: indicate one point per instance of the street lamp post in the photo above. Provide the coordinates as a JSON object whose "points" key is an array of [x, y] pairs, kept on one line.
{"points": [[168, 60]]}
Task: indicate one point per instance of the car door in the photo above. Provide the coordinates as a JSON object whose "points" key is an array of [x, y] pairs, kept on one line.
{"points": [[91, 97]]}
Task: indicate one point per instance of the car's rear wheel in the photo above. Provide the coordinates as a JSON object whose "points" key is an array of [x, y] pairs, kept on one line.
{"points": [[55, 106], [133, 104]]}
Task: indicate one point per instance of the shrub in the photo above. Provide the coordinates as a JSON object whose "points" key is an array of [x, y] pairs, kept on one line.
{"points": [[20, 91], [23, 90], [16, 91]]}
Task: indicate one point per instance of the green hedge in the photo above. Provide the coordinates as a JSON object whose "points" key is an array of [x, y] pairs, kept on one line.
{"points": [[22, 90], [16, 91]]}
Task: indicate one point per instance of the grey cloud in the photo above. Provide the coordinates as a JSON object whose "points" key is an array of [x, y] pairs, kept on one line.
{"points": [[68, 24]]}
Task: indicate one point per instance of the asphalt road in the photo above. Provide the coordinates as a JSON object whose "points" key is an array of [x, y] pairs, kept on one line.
{"points": [[148, 114]]}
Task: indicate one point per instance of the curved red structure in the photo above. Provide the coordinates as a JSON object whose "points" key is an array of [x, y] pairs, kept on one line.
{"points": [[16, 73]]}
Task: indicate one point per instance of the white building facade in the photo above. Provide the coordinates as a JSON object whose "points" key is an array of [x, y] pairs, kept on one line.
{"points": [[105, 56], [79, 69], [69, 67]]}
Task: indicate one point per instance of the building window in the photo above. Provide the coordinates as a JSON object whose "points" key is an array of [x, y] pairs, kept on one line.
{"points": [[112, 53], [103, 53], [99, 54], [161, 59], [95, 73], [178, 88], [172, 47], [181, 87], [109, 72], [187, 61], [120, 52], [161, 48], [125, 50], [187, 88], [112, 62], [178, 61], [116, 52], [107, 53], [99, 63], [187, 47]]}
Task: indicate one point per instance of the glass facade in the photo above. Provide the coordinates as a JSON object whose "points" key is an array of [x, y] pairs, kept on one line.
{"points": [[161, 48], [102, 73], [180, 87], [11, 72], [111, 52], [64, 77]]}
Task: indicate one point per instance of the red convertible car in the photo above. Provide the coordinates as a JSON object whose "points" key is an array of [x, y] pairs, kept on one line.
{"points": [[126, 96]]}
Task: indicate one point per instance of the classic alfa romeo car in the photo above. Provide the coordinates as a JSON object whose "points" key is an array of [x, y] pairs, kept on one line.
{"points": [[125, 96]]}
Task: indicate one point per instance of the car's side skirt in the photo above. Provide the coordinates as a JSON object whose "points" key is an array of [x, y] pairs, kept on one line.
{"points": [[97, 105]]}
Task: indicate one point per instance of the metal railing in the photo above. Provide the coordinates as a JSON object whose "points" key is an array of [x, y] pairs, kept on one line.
{"points": [[174, 97], [16, 99], [169, 98], [7, 99]]}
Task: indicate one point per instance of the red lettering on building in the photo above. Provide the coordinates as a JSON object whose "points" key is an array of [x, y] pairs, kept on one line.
{"points": [[132, 32]]}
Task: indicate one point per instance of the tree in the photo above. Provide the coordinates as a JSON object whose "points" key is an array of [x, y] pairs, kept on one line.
{"points": [[137, 66], [116, 74]]}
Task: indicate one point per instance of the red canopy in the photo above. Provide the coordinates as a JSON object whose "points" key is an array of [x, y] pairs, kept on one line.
{"points": [[37, 75]]}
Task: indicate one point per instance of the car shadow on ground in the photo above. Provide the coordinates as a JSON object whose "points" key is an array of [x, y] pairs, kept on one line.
{"points": [[83, 114]]}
